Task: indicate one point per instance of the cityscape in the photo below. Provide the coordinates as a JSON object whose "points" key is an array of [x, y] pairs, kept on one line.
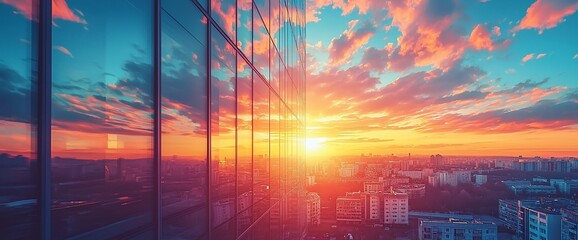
{"points": [[289, 119]]}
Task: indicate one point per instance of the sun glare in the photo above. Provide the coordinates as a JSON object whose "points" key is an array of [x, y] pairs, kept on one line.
{"points": [[314, 144]]}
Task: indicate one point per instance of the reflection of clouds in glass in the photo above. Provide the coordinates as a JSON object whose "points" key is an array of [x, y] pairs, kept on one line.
{"points": [[15, 96], [123, 107], [184, 88], [60, 10], [24, 7], [224, 14], [64, 50]]}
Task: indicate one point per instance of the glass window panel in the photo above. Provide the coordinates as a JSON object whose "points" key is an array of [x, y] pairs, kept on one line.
{"points": [[223, 121], [244, 134], [244, 144], [204, 3], [102, 118], [225, 231], [263, 6], [260, 46], [261, 230], [18, 165], [184, 120], [223, 12], [274, 151], [274, 66], [261, 183], [244, 220], [245, 27], [275, 20], [275, 222]]}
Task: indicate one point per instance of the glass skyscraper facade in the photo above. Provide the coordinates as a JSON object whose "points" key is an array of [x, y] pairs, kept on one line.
{"points": [[152, 119]]}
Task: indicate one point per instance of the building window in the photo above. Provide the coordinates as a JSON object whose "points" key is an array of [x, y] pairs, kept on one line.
{"points": [[102, 128], [184, 119], [223, 130]]}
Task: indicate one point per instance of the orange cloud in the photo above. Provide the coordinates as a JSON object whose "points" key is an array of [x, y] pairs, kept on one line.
{"points": [[546, 14], [480, 39], [427, 37], [225, 13], [60, 10], [350, 41]]}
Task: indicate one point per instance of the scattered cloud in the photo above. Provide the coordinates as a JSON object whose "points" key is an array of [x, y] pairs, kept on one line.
{"points": [[496, 31], [362, 6], [23, 7], [481, 39], [428, 36], [349, 42], [64, 50], [528, 57], [60, 10], [532, 56], [546, 14]]}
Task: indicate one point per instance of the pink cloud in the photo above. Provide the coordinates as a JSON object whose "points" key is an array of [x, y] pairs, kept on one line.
{"points": [[358, 100], [24, 7], [531, 56], [226, 14], [362, 6], [496, 31], [349, 42], [480, 39], [60, 10], [64, 50], [528, 57], [376, 59], [427, 37], [546, 14]]}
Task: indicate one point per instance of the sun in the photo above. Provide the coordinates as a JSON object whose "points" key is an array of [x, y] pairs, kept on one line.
{"points": [[314, 144]]}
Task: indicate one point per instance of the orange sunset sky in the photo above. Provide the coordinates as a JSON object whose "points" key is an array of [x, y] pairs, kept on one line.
{"points": [[481, 77]]}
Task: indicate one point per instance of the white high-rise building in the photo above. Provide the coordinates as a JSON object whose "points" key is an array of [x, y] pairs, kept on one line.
{"points": [[395, 208]]}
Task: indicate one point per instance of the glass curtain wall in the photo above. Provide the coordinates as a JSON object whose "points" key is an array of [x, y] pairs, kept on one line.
{"points": [[231, 91]]}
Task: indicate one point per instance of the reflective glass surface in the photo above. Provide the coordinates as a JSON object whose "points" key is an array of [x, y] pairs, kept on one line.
{"points": [[223, 120], [231, 94], [184, 87], [18, 87], [102, 128]]}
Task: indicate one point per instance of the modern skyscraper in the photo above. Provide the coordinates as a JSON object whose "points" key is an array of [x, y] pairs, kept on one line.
{"points": [[148, 119]]}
